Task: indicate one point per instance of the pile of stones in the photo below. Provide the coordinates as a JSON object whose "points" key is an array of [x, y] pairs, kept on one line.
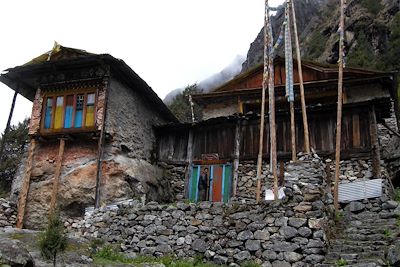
{"points": [[176, 175], [8, 213]]}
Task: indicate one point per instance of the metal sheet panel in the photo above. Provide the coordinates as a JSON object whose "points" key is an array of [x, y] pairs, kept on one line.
{"points": [[360, 190]]}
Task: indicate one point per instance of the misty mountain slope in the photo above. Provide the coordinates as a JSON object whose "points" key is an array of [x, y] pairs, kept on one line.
{"points": [[214, 80], [372, 33]]}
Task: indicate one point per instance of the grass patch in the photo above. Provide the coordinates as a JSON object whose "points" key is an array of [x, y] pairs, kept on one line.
{"points": [[373, 6], [341, 262], [317, 44], [387, 233], [397, 194], [250, 264], [107, 255]]}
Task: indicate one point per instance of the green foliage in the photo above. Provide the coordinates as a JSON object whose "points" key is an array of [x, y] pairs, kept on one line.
{"points": [[387, 233], [53, 240], [362, 55], [180, 106], [317, 43], [373, 6], [16, 140], [392, 61], [250, 264], [108, 255], [397, 194], [341, 262]]}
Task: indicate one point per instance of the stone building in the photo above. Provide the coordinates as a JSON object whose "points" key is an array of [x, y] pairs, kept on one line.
{"points": [[91, 131]]}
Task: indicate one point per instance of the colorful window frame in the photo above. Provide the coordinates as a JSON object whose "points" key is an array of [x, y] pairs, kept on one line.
{"points": [[69, 111]]}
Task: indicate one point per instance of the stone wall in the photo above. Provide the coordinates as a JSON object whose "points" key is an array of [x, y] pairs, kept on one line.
{"points": [[284, 232], [130, 121], [8, 213]]}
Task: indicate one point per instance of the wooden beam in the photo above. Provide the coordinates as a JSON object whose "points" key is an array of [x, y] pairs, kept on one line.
{"points": [[293, 131], [56, 181], [264, 87], [375, 149], [390, 129], [100, 147], [356, 130], [3, 141], [25, 185], [302, 95], [236, 158], [282, 173], [189, 160], [339, 108]]}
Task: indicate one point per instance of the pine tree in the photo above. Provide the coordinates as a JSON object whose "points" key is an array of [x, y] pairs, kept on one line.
{"points": [[180, 106]]}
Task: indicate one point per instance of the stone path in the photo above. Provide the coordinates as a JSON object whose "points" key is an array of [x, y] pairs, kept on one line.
{"points": [[363, 235]]}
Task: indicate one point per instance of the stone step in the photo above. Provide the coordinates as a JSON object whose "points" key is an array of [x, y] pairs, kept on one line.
{"points": [[371, 237], [372, 230]]}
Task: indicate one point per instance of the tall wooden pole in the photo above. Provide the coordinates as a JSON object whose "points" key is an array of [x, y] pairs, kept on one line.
{"points": [[376, 155], [236, 158], [339, 108], [264, 87], [100, 145], [289, 77], [25, 185], [56, 182], [3, 140], [302, 96], [271, 94]]}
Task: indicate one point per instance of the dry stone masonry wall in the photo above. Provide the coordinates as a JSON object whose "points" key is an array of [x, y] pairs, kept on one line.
{"points": [[8, 214], [289, 232]]}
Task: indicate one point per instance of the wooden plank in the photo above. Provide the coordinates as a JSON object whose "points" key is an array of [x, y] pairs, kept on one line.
{"points": [[293, 131], [376, 156], [217, 183], [189, 159], [227, 182], [25, 185], [236, 155], [56, 181], [356, 131], [193, 184]]}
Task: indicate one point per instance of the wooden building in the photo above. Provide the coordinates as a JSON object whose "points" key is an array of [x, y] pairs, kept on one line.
{"points": [[231, 116], [92, 133]]}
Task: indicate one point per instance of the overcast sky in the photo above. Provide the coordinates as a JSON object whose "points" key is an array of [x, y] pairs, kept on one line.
{"points": [[169, 43]]}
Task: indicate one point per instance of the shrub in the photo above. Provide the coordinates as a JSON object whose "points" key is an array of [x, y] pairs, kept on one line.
{"points": [[53, 240]]}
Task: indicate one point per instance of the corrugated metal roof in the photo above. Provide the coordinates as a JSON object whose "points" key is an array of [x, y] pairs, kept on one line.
{"points": [[360, 190]]}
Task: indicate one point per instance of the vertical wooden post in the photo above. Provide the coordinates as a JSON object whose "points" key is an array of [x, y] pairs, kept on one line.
{"points": [[236, 158], [339, 108], [3, 141], [302, 95], [100, 147], [376, 155], [281, 173], [293, 131], [56, 181], [264, 86], [189, 160], [271, 94], [25, 185], [356, 130]]}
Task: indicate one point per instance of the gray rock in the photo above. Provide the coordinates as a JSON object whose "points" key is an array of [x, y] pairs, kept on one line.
{"points": [[242, 256], [314, 258], [297, 222], [199, 245], [282, 221], [356, 206], [313, 243], [234, 243], [292, 256], [164, 248], [252, 245], [288, 232], [281, 264], [396, 211], [245, 235], [209, 254], [391, 204], [261, 235], [220, 260], [180, 241], [14, 253], [305, 231], [283, 246], [393, 255], [269, 255]]}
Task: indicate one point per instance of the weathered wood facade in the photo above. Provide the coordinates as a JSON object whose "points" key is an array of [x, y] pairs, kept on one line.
{"points": [[238, 102]]}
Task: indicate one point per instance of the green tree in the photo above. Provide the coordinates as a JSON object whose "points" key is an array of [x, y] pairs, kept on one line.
{"points": [[14, 148], [180, 106], [393, 53], [53, 240]]}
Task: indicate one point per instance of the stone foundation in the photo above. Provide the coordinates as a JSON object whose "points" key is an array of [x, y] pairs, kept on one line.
{"points": [[8, 213]]}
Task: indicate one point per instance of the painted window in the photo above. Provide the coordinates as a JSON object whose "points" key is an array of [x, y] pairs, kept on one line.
{"points": [[69, 111]]}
